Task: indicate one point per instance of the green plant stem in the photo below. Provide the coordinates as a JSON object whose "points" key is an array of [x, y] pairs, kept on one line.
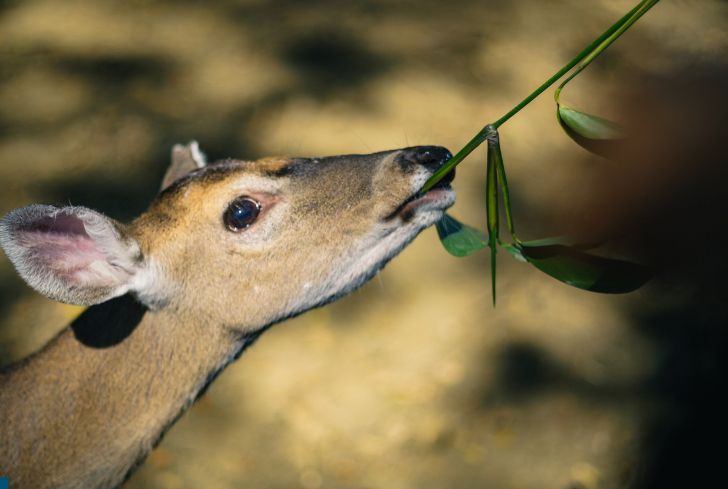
{"points": [[503, 181], [495, 158], [483, 133], [639, 11], [491, 202]]}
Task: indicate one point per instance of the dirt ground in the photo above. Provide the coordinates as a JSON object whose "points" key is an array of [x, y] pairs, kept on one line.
{"points": [[414, 381]]}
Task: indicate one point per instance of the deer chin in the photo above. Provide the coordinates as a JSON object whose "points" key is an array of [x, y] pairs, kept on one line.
{"points": [[434, 201], [387, 239]]}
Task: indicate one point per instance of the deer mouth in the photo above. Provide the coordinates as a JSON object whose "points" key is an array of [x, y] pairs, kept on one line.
{"points": [[439, 197]]}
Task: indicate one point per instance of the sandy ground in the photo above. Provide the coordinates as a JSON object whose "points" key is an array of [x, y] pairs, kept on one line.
{"points": [[415, 381]]}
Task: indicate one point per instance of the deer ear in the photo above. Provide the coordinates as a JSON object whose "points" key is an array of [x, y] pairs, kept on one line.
{"points": [[71, 254], [185, 158]]}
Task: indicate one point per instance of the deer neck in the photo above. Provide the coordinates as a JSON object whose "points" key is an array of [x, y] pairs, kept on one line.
{"points": [[108, 386]]}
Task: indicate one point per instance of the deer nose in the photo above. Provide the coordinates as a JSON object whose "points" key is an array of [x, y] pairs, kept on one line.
{"points": [[431, 157]]}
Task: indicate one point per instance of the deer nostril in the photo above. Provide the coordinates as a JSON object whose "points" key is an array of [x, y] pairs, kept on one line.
{"points": [[431, 157]]}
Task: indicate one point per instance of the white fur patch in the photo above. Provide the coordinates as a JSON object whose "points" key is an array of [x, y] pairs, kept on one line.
{"points": [[197, 156]]}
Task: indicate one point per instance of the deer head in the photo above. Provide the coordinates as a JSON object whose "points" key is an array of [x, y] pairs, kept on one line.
{"points": [[237, 243]]}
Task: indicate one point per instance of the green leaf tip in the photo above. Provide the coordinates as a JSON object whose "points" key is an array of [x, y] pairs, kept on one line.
{"points": [[590, 126], [459, 239], [595, 134]]}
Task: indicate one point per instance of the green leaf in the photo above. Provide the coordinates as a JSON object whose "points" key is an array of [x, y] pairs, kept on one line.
{"points": [[573, 266], [592, 133], [590, 126], [459, 239]]}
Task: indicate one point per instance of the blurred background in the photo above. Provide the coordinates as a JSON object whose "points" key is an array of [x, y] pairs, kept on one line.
{"points": [[414, 381]]}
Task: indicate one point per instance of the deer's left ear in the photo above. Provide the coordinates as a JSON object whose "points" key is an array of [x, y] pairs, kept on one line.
{"points": [[72, 254], [185, 158]]}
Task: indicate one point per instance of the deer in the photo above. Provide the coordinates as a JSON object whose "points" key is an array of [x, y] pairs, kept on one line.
{"points": [[224, 251]]}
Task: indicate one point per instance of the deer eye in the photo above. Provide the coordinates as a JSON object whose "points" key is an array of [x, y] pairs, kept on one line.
{"points": [[241, 213]]}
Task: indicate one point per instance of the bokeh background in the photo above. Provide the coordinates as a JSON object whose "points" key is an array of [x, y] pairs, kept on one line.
{"points": [[414, 381]]}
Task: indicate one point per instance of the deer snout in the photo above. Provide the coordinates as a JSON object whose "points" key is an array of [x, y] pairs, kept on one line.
{"points": [[431, 157]]}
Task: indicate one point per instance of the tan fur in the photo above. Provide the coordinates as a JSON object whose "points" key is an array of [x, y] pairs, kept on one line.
{"points": [[87, 408]]}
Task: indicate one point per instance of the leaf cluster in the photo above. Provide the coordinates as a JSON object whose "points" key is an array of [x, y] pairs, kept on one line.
{"points": [[572, 264]]}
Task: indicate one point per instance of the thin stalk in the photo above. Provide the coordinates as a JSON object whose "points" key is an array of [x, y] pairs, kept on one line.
{"points": [[641, 10], [491, 203], [483, 133], [503, 182]]}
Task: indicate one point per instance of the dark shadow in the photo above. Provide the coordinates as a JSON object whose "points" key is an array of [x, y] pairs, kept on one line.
{"points": [[524, 373], [11, 288], [114, 70], [110, 323], [5, 4], [122, 200], [684, 445], [330, 60], [524, 370], [665, 193]]}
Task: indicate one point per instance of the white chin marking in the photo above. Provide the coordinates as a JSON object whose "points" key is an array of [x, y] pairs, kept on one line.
{"points": [[435, 201]]}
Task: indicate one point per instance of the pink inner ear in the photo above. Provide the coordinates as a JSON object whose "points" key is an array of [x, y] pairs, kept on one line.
{"points": [[61, 223], [61, 243]]}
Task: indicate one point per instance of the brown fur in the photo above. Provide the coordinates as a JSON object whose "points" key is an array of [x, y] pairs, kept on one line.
{"points": [[86, 409]]}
